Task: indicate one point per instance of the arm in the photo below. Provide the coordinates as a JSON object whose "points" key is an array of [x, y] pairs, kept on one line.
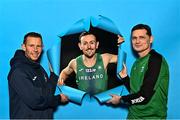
{"points": [[116, 99], [146, 91], [124, 77], [67, 71], [111, 58], [52, 82], [144, 95], [126, 82], [31, 95]]}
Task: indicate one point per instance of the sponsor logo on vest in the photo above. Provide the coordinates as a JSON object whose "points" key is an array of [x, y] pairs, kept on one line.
{"points": [[90, 70], [138, 100], [81, 70], [99, 67], [93, 77]]}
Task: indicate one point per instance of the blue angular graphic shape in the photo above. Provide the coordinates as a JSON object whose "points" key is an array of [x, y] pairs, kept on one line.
{"points": [[74, 95], [105, 96], [78, 27], [53, 55], [104, 23], [83, 110], [121, 59], [100, 22]]}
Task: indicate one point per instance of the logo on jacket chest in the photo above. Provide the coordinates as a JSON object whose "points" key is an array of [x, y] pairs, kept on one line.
{"points": [[45, 78], [34, 78], [140, 69]]}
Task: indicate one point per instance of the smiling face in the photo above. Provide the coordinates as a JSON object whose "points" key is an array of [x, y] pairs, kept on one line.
{"points": [[141, 41], [33, 48], [88, 45]]}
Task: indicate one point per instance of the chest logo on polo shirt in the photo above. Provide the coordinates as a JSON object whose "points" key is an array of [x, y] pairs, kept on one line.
{"points": [[142, 69]]}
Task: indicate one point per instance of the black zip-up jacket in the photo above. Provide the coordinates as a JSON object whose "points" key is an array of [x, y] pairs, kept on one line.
{"points": [[31, 91]]}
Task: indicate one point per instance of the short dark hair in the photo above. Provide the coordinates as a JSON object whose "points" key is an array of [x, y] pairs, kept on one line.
{"points": [[142, 26], [32, 34], [84, 34]]}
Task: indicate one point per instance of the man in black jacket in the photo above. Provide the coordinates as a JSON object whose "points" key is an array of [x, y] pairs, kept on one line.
{"points": [[31, 91]]}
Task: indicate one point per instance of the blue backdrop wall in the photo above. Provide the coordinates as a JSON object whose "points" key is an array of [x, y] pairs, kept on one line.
{"points": [[50, 17]]}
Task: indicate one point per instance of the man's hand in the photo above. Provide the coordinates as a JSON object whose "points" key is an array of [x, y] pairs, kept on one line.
{"points": [[60, 81], [64, 98], [123, 72], [120, 40], [114, 100]]}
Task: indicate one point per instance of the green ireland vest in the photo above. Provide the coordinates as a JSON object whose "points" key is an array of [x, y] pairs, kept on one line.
{"points": [[91, 79]]}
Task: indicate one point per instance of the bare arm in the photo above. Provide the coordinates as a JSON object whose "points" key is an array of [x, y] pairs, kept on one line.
{"points": [[108, 58], [111, 58], [67, 71]]}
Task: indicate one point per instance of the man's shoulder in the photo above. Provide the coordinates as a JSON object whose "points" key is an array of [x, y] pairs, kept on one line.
{"points": [[72, 63], [16, 70], [155, 54], [20, 68], [155, 57], [77, 59], [106, 55]]}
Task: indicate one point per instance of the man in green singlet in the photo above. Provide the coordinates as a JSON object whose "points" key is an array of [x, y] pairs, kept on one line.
{"points": [[91, 67]]}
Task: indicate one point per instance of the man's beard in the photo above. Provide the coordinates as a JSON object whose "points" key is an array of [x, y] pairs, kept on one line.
{"points": [[89, 56]]}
